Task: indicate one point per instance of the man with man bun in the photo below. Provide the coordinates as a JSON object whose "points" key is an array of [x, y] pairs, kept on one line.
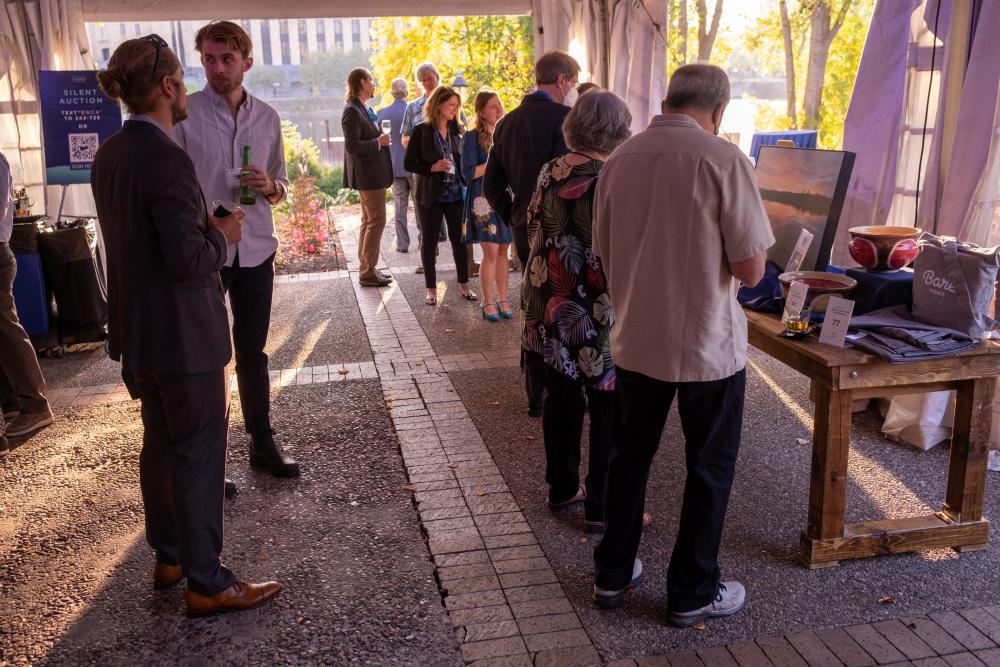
{"points": [[167, 324]]}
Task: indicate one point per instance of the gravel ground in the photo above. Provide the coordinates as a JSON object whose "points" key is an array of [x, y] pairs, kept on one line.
{"points": [[767, 511], [316, 323], [469, 331], [311, 324], [344, 539]]}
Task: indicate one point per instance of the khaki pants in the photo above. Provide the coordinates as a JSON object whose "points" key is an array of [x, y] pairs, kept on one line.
{"points": [[17, 357], [370, 237]]}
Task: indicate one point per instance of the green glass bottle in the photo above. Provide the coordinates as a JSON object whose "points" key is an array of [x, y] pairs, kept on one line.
{"points": [[247, 196]]}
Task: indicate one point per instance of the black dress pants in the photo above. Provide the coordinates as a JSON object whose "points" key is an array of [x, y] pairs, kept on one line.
{"points": [[521, 243], [711, 417], [562, 426], [250, 290], [430, 218], [181, 472]]}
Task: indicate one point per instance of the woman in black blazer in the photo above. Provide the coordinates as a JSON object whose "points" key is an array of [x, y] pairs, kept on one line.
{"points": [[367, 169], [434, 155]]}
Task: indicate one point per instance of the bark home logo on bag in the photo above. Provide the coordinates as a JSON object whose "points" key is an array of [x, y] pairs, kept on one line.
{"points": [[938, 286]]}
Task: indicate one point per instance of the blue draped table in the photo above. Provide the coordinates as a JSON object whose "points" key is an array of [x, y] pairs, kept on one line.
{"points": [[802, 139]]}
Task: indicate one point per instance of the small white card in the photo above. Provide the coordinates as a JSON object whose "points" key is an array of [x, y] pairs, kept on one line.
{"points": [[836, 322], [800, 250], [796, 298], [233, 178]]}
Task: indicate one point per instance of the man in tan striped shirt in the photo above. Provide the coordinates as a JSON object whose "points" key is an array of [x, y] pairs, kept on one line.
{"points": [[678, 223]]}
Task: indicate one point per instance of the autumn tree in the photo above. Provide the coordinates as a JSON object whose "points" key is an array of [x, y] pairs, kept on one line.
{"points": [[490, 51], [784, 39], [823, 28], [322, 71], [707, 32], [680, 32]]}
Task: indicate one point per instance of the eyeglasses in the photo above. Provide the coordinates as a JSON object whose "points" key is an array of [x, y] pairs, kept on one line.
{"points": [[155, 39]]}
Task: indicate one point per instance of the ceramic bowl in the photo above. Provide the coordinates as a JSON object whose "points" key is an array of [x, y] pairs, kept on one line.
{"points": [[822, 285], [884, 248]]}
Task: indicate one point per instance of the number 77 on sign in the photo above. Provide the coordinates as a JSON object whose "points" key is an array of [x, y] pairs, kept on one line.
{"points": [[836, 322]]}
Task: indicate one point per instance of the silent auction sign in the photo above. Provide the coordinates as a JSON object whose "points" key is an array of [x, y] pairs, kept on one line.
{"points": [[76, 119]]}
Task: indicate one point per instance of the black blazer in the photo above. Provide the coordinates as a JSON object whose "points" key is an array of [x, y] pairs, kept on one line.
{"points": [[167, 312], [421, 154], [524, 140], [367, 166]]}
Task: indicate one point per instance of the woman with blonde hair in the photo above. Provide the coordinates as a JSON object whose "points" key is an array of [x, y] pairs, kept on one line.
{"points": [[434, 156], [482, 224]]}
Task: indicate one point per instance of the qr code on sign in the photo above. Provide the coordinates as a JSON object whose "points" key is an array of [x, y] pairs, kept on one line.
{"points": [[83, 147]]}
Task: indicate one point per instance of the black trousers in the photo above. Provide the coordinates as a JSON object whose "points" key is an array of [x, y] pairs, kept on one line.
{"points": [[533, 367], [429, 219], [712, 417], [521, 243], [181, 471], [562, 426], [250, 290]]}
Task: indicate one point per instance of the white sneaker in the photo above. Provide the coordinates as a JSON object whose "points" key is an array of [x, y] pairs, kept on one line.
{"points": [[612, 599], [730, 600]]}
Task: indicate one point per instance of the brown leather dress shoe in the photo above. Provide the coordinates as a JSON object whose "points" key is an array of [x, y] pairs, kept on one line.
{"points": [[166, 576], [238, 597]]}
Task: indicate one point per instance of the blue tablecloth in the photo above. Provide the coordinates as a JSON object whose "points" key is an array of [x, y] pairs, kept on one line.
{"points": [[802, 139]]}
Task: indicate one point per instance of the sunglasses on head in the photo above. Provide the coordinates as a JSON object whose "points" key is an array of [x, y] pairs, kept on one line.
{"points": [[160, 44]]}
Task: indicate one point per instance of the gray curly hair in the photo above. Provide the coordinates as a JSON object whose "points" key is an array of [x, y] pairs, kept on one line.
{"points": [[598, 122]]}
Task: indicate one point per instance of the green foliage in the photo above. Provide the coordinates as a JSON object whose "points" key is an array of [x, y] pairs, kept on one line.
{"points": [[328, 70], [260, 80], [722, 47], [841, 71], [301, 155], [346, 196], [491, 51], [765, 41]]}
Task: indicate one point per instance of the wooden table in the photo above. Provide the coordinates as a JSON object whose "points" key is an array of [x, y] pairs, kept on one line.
{"points": [[838, 377]]}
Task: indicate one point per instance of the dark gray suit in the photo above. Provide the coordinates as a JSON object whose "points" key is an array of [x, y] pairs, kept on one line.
{"points": [[367, 166], [168, 326]]}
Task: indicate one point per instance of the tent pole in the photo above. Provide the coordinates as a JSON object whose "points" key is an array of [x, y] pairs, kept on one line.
{"points": [[606, 43], [955, 63]]}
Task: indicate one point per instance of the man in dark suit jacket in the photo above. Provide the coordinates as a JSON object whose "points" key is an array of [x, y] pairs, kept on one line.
{"points": [[524, 140], [527, 138], [168, 324], [367, 169]]}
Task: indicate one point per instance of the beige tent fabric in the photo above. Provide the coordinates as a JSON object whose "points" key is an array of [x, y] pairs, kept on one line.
{"points": [[39, 35], [635, 45], [183, 10]]}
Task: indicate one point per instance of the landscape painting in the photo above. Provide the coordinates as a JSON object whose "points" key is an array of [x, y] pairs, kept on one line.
{"points": [[803, 188]]}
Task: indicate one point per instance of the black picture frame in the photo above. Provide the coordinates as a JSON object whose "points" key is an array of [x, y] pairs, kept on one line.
{"points": [[803, 188]]}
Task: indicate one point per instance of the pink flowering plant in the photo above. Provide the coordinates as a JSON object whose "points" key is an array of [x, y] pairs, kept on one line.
{"points": [[303, 219]]}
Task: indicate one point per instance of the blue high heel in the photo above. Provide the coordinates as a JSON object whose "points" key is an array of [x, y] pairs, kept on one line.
{"points": [[486, 316], [506, 314]]}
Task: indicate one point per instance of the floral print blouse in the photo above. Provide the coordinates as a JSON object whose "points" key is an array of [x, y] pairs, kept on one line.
{"points": [[564, 294]]}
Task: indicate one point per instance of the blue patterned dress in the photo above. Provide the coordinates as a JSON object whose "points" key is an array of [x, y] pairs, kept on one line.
{"points": [[480, 224]]}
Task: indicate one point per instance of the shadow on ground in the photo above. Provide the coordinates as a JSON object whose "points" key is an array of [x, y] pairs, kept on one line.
{"points": [[767, 510], [343, 538]]}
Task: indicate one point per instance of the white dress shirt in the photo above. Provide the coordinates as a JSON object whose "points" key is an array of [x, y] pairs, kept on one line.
{"points": [[215, 143]]}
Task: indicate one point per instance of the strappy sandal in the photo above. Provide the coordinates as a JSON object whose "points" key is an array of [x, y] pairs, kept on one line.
{"points": [[469, 296], [430, 300]]}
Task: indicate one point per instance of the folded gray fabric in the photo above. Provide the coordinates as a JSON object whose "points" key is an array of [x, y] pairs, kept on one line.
{"points": [[892, 334]]}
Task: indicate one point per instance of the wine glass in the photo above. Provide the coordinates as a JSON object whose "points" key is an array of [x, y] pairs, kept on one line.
{"points": [[386, 126]]}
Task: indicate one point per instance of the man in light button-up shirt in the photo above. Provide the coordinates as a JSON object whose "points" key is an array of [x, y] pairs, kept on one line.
{"points": [[222, 119], [678, 223]]}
